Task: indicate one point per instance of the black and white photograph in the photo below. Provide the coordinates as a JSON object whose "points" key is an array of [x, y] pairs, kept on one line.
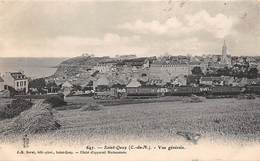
{"points": [[130, 80]]}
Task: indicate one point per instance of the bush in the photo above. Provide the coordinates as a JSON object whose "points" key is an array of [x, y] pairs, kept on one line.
{"points": [[15, 108], [55, 101], [193, 99], [91, 107], [247, 96]]}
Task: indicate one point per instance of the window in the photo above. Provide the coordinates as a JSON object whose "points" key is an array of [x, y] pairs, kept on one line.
{"points": [[21, 83], [24, 83], [17, 84]]}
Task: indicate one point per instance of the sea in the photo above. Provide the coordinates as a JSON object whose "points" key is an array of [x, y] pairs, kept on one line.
{"points": [[32, 67]]}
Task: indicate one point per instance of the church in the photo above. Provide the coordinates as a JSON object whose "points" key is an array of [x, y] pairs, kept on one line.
{"points": [[225, 58]]}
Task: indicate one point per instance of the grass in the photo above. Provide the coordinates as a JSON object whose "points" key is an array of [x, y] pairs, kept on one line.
{"points": [[76, 100], [213, 118], [218, 118]]}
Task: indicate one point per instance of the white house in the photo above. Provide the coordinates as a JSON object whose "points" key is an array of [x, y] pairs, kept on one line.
{"points": [[17, 80], [103, 67], [258, 67], [155, 80], [240, 82], [102, 81], [146, 64], [67, 87], [134, 83], [174, 69], [180, 80], [167, 71], [211, 81]]}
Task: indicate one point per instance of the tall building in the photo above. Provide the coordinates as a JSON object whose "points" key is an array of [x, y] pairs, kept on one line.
{"points": [[225, 58], [224, 49]]}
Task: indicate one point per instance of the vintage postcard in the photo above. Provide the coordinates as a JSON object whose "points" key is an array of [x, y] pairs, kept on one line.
{"points": [[130, 80]]}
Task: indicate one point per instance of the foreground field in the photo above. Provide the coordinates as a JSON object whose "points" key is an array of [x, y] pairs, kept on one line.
{"points": [[213, 119], [228, 119]]}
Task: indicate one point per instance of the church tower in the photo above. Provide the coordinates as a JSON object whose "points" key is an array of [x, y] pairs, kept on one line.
{"points": [[225, 59], [224, 50]]}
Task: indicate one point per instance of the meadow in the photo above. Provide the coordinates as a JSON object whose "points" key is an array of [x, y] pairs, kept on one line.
{"points": [[228, 119], [213, 119]]}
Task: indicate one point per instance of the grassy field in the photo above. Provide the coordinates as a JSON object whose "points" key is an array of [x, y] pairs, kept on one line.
{"points": [[77, 100], [213, 118]]}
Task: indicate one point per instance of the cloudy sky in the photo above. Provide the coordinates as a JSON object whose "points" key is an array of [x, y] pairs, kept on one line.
{"points": [[67, 29]]}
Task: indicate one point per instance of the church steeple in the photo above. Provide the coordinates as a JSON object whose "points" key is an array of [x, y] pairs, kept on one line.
{"points": [[224, 49], [225, 59]]}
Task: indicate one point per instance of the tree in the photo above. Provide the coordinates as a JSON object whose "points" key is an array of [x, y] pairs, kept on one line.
{"points": [[252, 73], [77, 87], [144, 74], [224, 71], [197, 71], [37, 83], [193, 80], [51, 84], [11, 90], [52, 87]]}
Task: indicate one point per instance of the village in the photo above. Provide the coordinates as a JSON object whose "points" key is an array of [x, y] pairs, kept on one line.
{"points": [[128, 75], [117, 80], [99, 97]]}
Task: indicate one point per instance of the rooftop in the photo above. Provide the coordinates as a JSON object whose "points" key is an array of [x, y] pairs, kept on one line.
{"points": [[169, 63], [211, 78], [18, 75], [1, 79]]}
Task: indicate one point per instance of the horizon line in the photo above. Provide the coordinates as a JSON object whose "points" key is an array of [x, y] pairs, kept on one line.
{"points": [[125, 54]]}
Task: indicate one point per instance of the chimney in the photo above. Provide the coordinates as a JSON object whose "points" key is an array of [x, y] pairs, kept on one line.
{"points": [[21, 71]]}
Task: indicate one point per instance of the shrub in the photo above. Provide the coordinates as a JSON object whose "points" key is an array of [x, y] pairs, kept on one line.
{"points": [[55, 101], [15, 108], [91, 107], [193, 99]]}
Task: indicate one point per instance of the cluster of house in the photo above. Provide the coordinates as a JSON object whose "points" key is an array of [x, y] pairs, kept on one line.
{"points": [[130, 71], [228, 81], [160, 70]]}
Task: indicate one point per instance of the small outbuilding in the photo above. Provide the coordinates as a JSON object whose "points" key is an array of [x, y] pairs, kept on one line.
{"points": [[67, 88], [133, 83], [102, 81]]}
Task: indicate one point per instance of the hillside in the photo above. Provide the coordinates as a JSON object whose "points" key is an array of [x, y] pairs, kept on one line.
{"points": [[76, 65]]}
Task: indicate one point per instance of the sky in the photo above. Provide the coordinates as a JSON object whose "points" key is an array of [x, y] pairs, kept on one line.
{"points": [[145, 28]]}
